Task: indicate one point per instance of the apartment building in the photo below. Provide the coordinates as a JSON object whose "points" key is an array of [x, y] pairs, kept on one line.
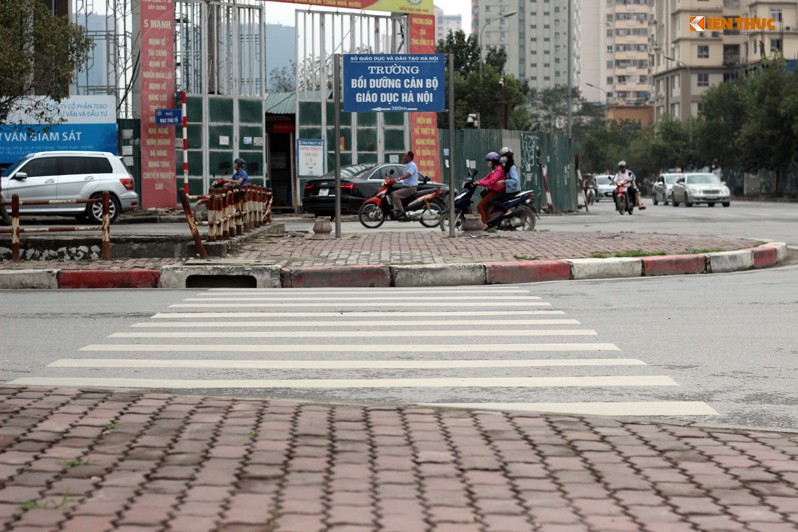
{"points": [[445, 23], [534, 34], [687, 61]]}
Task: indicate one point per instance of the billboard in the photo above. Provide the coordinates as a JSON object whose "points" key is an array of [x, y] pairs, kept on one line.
{"points": [[88, 123], [415, 7]]}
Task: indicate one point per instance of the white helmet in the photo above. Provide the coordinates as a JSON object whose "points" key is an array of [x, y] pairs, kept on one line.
{"points": [[621, 163], [505, 151]]}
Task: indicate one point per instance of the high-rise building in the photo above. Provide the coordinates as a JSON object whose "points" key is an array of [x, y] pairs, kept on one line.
{"points": [[534, 33], [445, 23]]}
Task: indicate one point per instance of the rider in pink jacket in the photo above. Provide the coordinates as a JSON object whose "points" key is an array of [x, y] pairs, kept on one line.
{"points": [[494, 182]]}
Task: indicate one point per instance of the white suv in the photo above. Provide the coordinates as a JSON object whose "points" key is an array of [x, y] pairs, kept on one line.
{"points": [[70, 175]]}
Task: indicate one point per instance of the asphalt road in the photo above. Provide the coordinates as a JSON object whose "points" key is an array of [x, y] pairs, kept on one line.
{"points": [[721, 342]]}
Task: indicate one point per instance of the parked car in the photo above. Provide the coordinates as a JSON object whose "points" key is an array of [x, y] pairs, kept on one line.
{"points": [[663, 188], [358, 183], [605, 188], [700, 188], [71, 175]]}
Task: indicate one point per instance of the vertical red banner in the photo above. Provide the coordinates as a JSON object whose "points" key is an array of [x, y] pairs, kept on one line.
{"points": [[158, 179], [424, 126]]}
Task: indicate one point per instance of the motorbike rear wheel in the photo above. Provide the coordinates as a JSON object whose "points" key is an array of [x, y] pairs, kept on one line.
{"points": [[201, 212], [619, 206], [431, 217], [371, 215], [459, 227], [528, 218]]}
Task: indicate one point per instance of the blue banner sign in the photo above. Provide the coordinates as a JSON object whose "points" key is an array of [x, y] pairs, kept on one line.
{"points": [[169, 117], [86, 123], [394, 83]]}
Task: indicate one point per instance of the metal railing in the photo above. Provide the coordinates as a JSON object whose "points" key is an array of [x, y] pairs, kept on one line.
{"points": [[230, 213], [16, 230]]}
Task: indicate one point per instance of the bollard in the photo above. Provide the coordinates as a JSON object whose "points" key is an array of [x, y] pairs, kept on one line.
{"points": [[15, 228], [212, 215], [226, 215], [322, 228], [239, 211], [472, 223], [106, 227], [192, 223]]}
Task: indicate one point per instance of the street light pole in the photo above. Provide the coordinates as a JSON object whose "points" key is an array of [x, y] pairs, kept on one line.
{"points": [[689, 97], [606, 104], [482, 31]]}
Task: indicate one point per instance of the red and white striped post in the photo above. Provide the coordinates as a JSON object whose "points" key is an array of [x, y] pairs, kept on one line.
{"points": [[185, 142], [549, 204]]}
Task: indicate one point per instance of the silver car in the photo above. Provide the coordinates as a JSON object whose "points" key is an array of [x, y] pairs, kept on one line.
{"points": [[71, 175], [700, 188], [663, 188], [605, 188]]}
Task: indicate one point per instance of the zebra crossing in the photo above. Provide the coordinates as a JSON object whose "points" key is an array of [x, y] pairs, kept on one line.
{"points": [[446, 346]]}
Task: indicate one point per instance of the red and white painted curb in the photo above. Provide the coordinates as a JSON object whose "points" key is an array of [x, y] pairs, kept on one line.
{"points": [[360, 276]]}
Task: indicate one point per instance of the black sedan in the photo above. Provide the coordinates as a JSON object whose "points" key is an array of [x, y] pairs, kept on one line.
{"points": [[358, 183]]}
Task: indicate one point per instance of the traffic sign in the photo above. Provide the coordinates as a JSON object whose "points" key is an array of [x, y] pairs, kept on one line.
{"points": [[394, 83], [169, 117]]}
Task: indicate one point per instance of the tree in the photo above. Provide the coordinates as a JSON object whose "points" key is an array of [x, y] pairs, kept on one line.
{"points": [[768, 135], [725, 110], [497, 97], [283, 79], [39, 55], [467, 55]]}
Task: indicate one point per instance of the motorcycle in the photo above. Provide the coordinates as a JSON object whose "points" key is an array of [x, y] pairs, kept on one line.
{"points": [[201, 207], [425, 207], [523, 215], [591, 194], [623, 203]]}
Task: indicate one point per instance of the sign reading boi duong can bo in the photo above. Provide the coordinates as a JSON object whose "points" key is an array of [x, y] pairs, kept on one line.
{"points": [[394, 82]]}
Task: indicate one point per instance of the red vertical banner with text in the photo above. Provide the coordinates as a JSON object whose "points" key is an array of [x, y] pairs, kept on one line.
{"points": [[424, 126], [158, 178]]}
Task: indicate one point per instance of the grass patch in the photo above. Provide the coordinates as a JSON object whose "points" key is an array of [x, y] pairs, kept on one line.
{"points": [[524, 257], [702, 251], [598, 255], [109, 426], [76, 463], [254, 434], [46, 505], [640, 253]]}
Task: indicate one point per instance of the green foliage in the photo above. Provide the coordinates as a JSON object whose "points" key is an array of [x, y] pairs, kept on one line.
{"points": [[498, 98], [39, 55]]}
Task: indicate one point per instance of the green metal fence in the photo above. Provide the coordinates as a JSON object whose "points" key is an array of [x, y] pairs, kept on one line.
{"points": [[533, 152]]}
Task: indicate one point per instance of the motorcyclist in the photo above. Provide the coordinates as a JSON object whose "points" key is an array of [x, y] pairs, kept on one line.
{"points": [[240, 177], [626, 176], [512, 182], [494, 182], [410, 181]]}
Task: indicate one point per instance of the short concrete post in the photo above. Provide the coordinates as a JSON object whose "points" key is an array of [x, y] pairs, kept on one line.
{"points": [[322, 228], [472, 223]]}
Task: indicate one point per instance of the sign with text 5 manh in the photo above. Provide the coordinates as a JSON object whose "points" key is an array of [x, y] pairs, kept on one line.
{"points": [[394, 83]]}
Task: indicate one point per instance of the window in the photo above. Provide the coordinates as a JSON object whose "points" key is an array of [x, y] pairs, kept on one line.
{"points": [[703, 51], [703, 80], [41, 167], [776, 13], [775, 44], [609, 80]]}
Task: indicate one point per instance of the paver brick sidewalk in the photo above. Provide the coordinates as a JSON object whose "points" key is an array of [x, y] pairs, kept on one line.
{"points": [[127, 461]]}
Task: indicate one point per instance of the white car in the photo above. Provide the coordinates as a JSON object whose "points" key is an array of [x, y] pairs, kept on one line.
{"points": [[700, 188], [70, 175], [663, 188], [605, 188]]}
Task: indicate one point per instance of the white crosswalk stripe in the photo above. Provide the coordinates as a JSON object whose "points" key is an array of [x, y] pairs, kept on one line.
{"points": [[446, 347]]}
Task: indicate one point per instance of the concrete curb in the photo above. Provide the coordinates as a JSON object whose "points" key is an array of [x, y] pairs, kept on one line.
{"points": [[335, 276], [223, 274]]}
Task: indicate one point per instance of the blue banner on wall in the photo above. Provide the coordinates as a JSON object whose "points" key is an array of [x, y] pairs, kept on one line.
{"points": [[89, 124]]}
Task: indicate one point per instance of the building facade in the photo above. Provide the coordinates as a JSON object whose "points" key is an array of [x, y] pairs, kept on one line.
{"points": [[534, 33], [687, 61], [445, 23]]}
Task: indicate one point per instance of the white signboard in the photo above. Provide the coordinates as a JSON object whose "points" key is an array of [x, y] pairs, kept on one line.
{"points": [[310, 157]]}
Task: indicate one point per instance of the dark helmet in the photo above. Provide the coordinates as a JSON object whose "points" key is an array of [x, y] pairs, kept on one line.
{"points": [[492, 156], [240, 161]]}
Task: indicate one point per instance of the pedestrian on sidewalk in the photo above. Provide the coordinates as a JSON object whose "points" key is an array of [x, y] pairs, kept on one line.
{"points": [[410, 181]]}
